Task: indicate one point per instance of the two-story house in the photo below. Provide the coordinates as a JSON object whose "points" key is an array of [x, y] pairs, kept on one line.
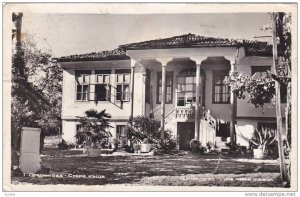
{"points": [[177, 80]]}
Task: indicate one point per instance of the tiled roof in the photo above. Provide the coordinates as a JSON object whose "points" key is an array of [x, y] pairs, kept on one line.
{"points": [[183, 41], [116, 54], [252, 47], [256, 48]]}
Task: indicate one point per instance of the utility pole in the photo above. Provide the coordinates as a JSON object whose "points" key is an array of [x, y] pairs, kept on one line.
{"points": [[283, 172]]}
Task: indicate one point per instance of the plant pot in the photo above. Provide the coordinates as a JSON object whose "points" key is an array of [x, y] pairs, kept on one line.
{"points": [[146, 148], [136, 147], [259, 154], [93, 152]]}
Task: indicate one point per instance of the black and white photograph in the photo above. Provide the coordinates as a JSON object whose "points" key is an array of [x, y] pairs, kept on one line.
{"points": [[133, 96]]}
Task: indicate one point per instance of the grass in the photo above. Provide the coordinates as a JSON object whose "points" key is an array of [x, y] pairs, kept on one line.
{"points": [[177, 169]]}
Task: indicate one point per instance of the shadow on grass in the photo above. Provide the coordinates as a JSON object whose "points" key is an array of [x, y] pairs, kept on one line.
{"points": [[130, 169]]}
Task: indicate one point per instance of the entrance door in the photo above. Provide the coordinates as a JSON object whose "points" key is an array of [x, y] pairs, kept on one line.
{"points": [[186, 132]]}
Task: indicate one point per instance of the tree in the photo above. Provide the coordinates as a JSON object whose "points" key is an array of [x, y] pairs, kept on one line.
{"points": [[36, 86], [93, 128], [269, 87], [260, 90], [47, 76]]}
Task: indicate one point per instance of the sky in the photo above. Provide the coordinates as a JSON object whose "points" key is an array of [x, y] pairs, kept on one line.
{"points": [[70, 34]]}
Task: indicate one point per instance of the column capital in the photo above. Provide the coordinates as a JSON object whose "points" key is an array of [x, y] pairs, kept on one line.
{"points": [[232, 59], [164, 60], [133, 62], [198, 59]]}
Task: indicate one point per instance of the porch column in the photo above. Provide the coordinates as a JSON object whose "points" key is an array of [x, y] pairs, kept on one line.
{"points": [[233, 106], [198, 61], [164, 62], [132, 62]]}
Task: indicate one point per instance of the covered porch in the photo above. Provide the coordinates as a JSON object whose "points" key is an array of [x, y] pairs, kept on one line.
{"points": [[185, 98]]}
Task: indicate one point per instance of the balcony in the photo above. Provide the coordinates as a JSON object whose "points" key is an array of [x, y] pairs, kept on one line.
{"points": [[185, 113]]}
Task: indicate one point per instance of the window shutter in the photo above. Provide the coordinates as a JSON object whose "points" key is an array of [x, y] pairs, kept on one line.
{"points": [[92, 94]]}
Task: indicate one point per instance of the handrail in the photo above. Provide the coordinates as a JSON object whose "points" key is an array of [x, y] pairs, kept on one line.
{"points": [[170, 113], [208, 118]]}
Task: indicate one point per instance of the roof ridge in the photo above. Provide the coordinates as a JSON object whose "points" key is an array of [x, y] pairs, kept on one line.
{"points": [[179, 41]]}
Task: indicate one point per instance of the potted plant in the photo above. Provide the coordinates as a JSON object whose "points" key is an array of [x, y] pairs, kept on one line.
{"points": [[143, 131], [93, 131], [146, 145], [260, 142]]}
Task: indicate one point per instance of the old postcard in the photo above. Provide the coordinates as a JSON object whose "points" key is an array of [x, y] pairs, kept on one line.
{"points": [[150, 97]]}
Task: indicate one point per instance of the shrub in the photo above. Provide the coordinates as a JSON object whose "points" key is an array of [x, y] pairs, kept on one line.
{"points": [[63, 145], [166, 145], [210, 146], [128, 149], [196, 146], [143, 129], [236, 148]]}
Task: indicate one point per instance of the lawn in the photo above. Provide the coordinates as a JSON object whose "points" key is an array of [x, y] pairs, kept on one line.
{"points": [[179, 169]]}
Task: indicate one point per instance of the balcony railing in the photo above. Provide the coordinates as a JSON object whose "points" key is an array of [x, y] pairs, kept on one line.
{"points": [[188, 113], [185, 113]]}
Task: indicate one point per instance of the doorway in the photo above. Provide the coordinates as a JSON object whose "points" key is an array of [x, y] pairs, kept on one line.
{"points": [[186, 132]]}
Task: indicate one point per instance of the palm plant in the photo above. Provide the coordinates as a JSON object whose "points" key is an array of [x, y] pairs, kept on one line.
{"points": [[263, 138], [93, 128]]}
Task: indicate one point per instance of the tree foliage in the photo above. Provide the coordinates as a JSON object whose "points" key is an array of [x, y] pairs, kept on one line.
{"points": [[260, 90], [93, 128], [35, 90], [145, 129]]}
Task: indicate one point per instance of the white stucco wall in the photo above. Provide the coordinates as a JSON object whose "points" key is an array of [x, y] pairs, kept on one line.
{"points": [[245, 109], [245, 129], [120, 113], [72, 108], [69, 131]]}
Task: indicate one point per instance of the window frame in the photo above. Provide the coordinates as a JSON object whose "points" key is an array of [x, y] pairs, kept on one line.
{"points": [[107, 84], [221, 85], [83, 74], [123, 84], [260, 70], [170, 75], [193, 91]]}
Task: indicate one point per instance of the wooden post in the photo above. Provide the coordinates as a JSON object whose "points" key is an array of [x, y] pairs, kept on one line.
{"points": [[163, 100], [284, 176], [198, 60], [197, 108], [132, 87], [164, 62], [232, 108]]}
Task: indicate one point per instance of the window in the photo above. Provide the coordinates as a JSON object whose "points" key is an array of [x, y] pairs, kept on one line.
{"points": [[261, 71], [221, 92], [102, 86], [82, 78], [123, 81], [186, 90], [186, 87], [169, 87]]}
